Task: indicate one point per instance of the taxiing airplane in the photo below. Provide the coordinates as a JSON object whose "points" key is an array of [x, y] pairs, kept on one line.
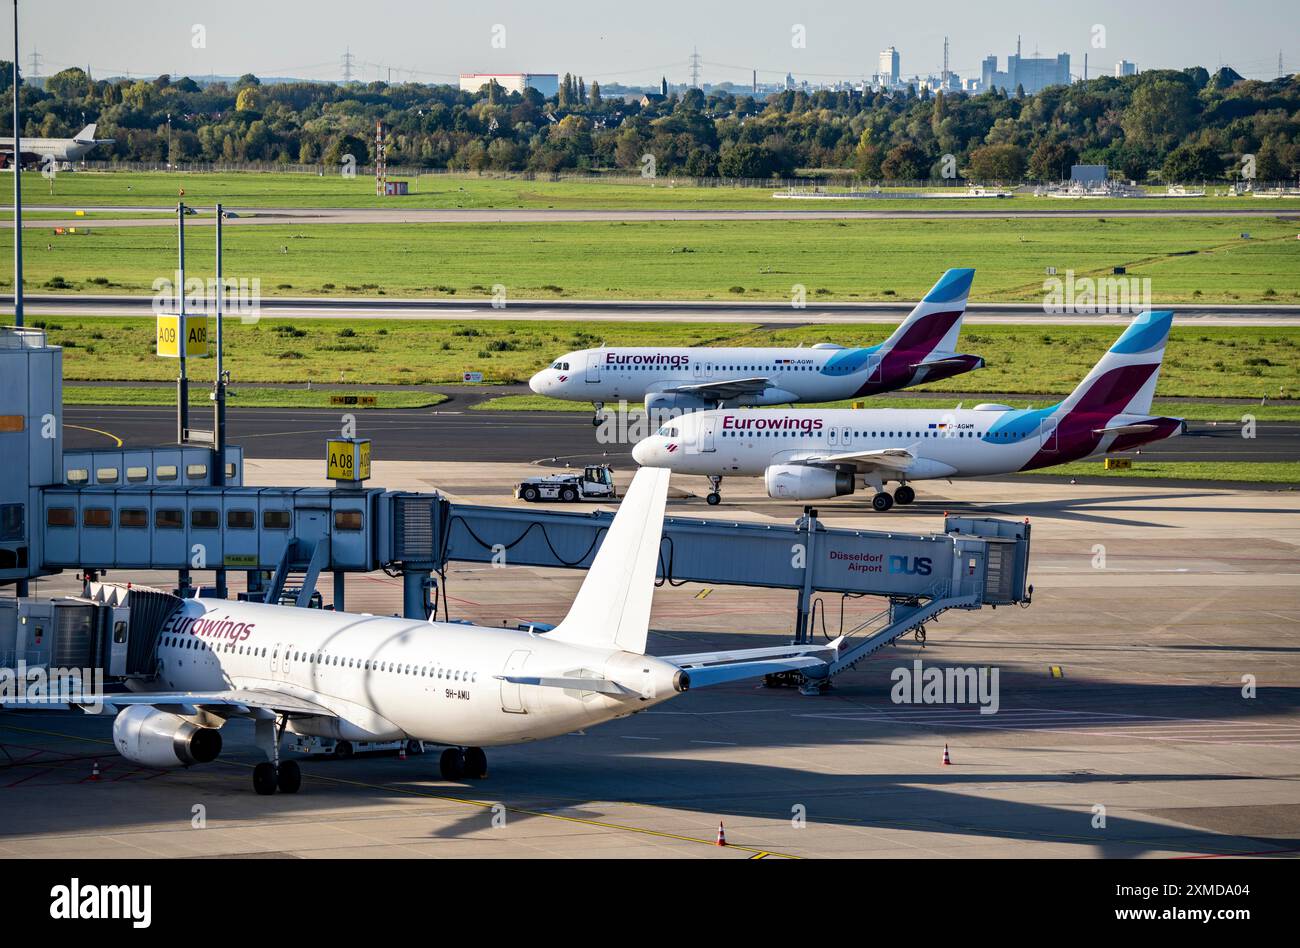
{"points": [[56, 149], [370, 678], [921, 349], [812, 454]]}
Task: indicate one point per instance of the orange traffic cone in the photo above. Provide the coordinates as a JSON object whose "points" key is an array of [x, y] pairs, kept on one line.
{"points": [[722, 835], [94, 771], [947, 760]]}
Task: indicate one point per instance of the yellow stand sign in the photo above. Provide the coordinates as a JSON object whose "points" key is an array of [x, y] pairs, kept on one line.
{"points": [[169, 334], [347, 459]]}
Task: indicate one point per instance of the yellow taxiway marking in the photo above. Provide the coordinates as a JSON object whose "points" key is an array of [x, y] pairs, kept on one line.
{"points": [[106, 434]]}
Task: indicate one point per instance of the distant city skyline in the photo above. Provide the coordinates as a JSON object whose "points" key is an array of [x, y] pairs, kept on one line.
{"points": [[635, 45]]}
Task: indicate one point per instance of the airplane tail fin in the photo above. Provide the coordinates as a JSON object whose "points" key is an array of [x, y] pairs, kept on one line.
{"points": [[1123, 382], [612, 609], [87, 134], [935, 323]]}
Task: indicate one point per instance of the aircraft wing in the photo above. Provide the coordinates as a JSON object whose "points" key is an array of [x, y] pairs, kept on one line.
{"points": [[723, 389], [883, 459], [237, 702]]}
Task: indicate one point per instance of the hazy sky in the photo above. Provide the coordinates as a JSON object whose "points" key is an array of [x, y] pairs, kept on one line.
{"points": [[636, 42]]}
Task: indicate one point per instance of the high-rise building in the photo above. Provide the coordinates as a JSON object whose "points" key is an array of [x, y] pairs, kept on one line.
{"points": [[1125, 68], [1031, 72], [889, 67]]}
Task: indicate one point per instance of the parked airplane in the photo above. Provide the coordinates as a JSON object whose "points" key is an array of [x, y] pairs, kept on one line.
{"points": [[369, 678], [922, 349], [812, 454], [57, 149]]}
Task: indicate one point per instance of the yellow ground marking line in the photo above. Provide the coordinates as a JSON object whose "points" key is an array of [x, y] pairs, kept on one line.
{"points": [[482, 804], [106, 434]]}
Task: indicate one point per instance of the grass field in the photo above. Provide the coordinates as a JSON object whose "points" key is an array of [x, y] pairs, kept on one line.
{"points": [[253, 189], [1185, 259], [237, 397], [1216, 361], [1283, 473]]}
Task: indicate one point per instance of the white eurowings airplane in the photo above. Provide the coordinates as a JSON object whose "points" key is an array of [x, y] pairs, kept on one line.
{"points": [[811, 454], [56, 149], [921, 349], [370, 678]]}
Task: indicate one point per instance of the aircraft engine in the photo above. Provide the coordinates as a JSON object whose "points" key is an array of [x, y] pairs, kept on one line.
{"points": [[153, 738], [803, 482]]}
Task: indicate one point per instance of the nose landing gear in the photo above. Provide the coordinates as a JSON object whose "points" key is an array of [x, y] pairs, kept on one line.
{"points": [[715, 495], [596, 418]]}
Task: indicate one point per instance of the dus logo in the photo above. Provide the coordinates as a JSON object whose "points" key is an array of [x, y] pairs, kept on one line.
{"points": [[910, 565]]}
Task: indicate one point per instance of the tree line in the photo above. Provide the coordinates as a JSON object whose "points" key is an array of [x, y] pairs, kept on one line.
{"points": [[1172, 125]]}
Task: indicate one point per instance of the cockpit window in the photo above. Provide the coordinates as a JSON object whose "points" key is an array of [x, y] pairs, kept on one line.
{"points": [[562, 366], [667, 431]]}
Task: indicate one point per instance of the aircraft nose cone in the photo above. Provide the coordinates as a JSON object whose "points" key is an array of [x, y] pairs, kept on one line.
{"points": [[644, 452], [538, 383]]}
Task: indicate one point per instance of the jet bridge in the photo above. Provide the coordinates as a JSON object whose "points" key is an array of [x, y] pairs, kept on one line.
{"points": [[975, 562]]}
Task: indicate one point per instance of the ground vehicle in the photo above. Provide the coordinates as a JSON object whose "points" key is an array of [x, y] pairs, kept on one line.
{"points": [[596, 482]]}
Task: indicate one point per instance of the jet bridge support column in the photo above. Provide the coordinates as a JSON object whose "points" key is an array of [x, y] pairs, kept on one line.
{"points": [[808, 525], [415, 594], [339, 577]]}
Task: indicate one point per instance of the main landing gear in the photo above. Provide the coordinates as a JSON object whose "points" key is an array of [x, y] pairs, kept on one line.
{"points": [[882, 501], [715, 497], [460, 763], [274, 774]]}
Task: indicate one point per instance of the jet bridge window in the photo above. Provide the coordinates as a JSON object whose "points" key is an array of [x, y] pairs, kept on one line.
{"points": [[196, 472], [12, 517], [61, 517], [275, 519], [348, 520], [137, 474], [97, 517], [205, 518], [169, 518], [243, 519], [136, 517], [78, 475], [106, 475], [166, 472]]}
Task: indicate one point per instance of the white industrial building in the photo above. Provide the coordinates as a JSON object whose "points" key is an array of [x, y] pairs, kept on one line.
{"points": [[547, 83]]}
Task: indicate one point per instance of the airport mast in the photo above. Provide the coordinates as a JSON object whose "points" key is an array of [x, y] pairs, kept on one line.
{"points": [[18, 196], [381, 165], [695, 68]]}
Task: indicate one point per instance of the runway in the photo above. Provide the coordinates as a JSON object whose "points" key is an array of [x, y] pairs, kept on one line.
{"points": [[765, 313], [272, 216], [451, 432]]}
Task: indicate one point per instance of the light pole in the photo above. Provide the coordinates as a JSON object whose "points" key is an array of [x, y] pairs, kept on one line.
{"points": [[18, 190], [169, 139]]}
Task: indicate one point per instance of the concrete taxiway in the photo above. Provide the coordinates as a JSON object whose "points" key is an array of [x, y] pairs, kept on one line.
{"points": [[1157, 604]]}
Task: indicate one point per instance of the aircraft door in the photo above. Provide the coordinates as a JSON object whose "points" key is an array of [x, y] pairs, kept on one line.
{"points": [[707, 429], [593, 366], [512, 699], [1048, 434]]}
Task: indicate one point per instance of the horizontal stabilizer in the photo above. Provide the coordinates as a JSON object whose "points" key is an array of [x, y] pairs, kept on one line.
{"points": [[735, 671], [1125, 430], [748, 654], [603, 685]]}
